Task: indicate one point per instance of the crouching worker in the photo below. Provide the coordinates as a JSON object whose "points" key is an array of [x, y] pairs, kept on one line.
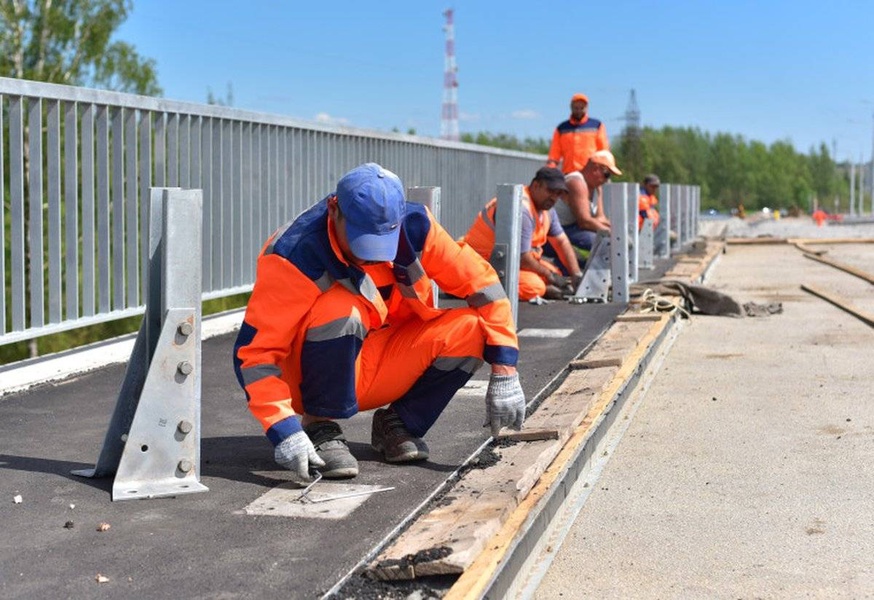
{"points": [[540, 226], [342, 319]]}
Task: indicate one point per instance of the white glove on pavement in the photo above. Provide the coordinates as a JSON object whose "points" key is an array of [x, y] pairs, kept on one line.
{"points": [[297, 454], [505, 403]]}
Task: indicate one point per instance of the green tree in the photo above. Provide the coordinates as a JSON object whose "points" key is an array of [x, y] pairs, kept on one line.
{"points": [[70, 42], [507, 142]]}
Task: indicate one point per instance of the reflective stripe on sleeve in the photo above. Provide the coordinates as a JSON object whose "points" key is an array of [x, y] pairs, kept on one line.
{"points": [[259, 372], [486, 295]]}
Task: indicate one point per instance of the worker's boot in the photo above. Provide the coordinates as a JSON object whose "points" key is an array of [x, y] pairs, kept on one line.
{"points": [[390, 436], [330, 445]]}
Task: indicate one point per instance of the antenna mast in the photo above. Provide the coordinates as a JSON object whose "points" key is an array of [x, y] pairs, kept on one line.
{"points": [[449, 120]]}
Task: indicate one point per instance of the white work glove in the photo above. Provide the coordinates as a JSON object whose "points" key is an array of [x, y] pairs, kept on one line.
{"points": [[297, 454], [505, 403]]}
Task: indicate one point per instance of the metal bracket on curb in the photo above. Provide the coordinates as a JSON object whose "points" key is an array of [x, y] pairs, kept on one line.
{"points": [[595, 284], [645, 241], [152, 445]]}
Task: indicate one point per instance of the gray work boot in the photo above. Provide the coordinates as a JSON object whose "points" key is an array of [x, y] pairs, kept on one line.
{"points": [[330, 445], [389, 435]]}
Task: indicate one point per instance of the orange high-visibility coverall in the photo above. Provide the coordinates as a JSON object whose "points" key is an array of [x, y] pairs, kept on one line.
{"points": [[646, 209], [573, 142], [327, 338], [544, 225]]}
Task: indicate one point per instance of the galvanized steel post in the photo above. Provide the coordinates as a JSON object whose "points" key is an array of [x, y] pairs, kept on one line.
{"points": [[508, 231], [152, 445], [619, 244]]}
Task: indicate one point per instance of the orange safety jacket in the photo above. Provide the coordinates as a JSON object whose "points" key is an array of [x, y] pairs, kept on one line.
{"points": [[573, 142], [481, 237], [302, 262], [646, 209]]}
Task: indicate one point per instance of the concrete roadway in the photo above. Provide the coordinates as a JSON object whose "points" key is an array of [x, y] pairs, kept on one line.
{"points": [[746, 471]]}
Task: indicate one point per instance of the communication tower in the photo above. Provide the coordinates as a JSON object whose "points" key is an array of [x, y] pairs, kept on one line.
{"points": [[449, 120]]}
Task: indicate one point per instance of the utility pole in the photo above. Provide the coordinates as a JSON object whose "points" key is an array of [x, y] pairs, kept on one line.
{"points": [[449, 119]]}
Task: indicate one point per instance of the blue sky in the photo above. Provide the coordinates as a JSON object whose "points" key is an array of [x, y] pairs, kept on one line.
{"points": [[767, 70]]}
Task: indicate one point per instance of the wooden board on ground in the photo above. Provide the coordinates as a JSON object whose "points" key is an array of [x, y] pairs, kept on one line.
{"points": [[637, 316], [842, 266], [808, 241], [528, 435], [841, 303], [756, 240]]}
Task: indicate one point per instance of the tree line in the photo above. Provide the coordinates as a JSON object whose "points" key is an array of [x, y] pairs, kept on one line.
{"points": [[731, 170]]}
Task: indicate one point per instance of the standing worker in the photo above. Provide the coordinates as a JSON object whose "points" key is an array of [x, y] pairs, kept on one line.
{"points": [[576, 139], [342, 319], [540, 227]]}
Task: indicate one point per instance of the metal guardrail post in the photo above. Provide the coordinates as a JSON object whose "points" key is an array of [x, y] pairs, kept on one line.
{"points": [[619, 243], [152, 445], [430, 197], [595, 284], [687, 211], [508, 231], [632, 191], [665, 204], [645, 241]]}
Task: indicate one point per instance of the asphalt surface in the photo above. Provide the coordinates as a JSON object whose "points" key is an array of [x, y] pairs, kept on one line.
{"points": [[207, 545], [746, 469]]}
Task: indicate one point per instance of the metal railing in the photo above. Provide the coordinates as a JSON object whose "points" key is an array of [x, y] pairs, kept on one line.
{"points": [[77, 165]]}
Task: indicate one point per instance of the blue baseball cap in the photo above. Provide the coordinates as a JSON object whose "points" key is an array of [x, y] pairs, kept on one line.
{"points": [[371, 199]]}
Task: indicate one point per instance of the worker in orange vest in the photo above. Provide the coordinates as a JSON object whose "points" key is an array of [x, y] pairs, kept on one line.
{"points": [[538, 277], [342, 319], [576, 139], [647, 201]]}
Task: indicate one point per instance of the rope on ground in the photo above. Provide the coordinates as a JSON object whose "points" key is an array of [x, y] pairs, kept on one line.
{"points": [[652, 302]]}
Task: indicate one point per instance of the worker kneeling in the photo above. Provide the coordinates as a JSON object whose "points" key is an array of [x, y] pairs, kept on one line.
{"points": [[342, 319], [540, 225]]}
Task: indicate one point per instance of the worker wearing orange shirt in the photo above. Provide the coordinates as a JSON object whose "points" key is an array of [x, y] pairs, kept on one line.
{"points": [[538, 277], [342, 319], [576, 139], [647, 201]]}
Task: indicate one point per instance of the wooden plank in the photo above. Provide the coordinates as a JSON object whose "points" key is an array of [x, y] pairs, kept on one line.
{"points": [[841, 303], [758, 240], [808, 241], [808, 250], [842, 266], [480, 502], [638, 317], [473, 581], [566, 408], [596, 363], [528, 435]]}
